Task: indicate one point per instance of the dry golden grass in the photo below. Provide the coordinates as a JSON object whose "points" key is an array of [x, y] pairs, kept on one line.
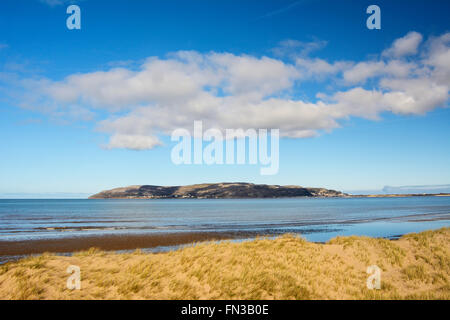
{"points": [[415, 267]]}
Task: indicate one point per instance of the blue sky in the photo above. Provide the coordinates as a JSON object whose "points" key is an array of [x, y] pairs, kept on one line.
{"points": [[371, 111]]}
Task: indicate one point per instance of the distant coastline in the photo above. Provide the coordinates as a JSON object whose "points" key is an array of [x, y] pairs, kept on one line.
{"points": [[225, 190], [237, 190]]}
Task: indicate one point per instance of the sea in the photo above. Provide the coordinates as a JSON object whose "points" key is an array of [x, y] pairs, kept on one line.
{"points": [[316, 219]]}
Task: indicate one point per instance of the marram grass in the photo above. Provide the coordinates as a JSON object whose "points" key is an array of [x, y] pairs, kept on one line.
{"points": [[417, 266]]}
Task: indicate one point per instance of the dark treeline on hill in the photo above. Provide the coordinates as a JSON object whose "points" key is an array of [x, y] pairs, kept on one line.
{"points": [[215, 191]]}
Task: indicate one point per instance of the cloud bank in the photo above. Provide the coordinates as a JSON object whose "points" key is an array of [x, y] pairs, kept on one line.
{"points": [[225, 90]]}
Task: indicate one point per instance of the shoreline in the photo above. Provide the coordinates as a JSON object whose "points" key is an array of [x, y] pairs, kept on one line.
{"points": [[13, 250], [113, 242]]}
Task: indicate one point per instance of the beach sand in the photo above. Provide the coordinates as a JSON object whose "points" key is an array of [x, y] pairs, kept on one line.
{"points": [[417, 266], [113, 242]]}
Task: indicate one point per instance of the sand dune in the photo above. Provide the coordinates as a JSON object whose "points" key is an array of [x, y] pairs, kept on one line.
{"points": [[417, 266]]}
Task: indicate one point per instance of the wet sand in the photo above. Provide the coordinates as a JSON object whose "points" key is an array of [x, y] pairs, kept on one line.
{"points": [[113, 242]]}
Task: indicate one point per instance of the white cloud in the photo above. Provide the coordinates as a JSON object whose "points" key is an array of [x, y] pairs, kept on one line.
{"points": [[358, 102], [178, 79], [438, 58], [134, 142], [364, 70], [250, 75], [414, 96], [399, 68], [319, 68], [225, 90], [404, 46], [294, 48]]}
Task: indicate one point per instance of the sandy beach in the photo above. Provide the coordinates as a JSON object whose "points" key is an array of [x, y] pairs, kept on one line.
{"points": [[417, 266]]}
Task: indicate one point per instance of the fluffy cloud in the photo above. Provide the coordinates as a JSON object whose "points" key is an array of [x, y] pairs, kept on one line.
{"points": [[133, 142], [363, 71], [294, 48], [225, 90], [404, 46], [320, 68], [438, 58]]}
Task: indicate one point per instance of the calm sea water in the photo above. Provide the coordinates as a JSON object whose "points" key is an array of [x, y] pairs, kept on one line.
{"points": [[317, 219]]}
